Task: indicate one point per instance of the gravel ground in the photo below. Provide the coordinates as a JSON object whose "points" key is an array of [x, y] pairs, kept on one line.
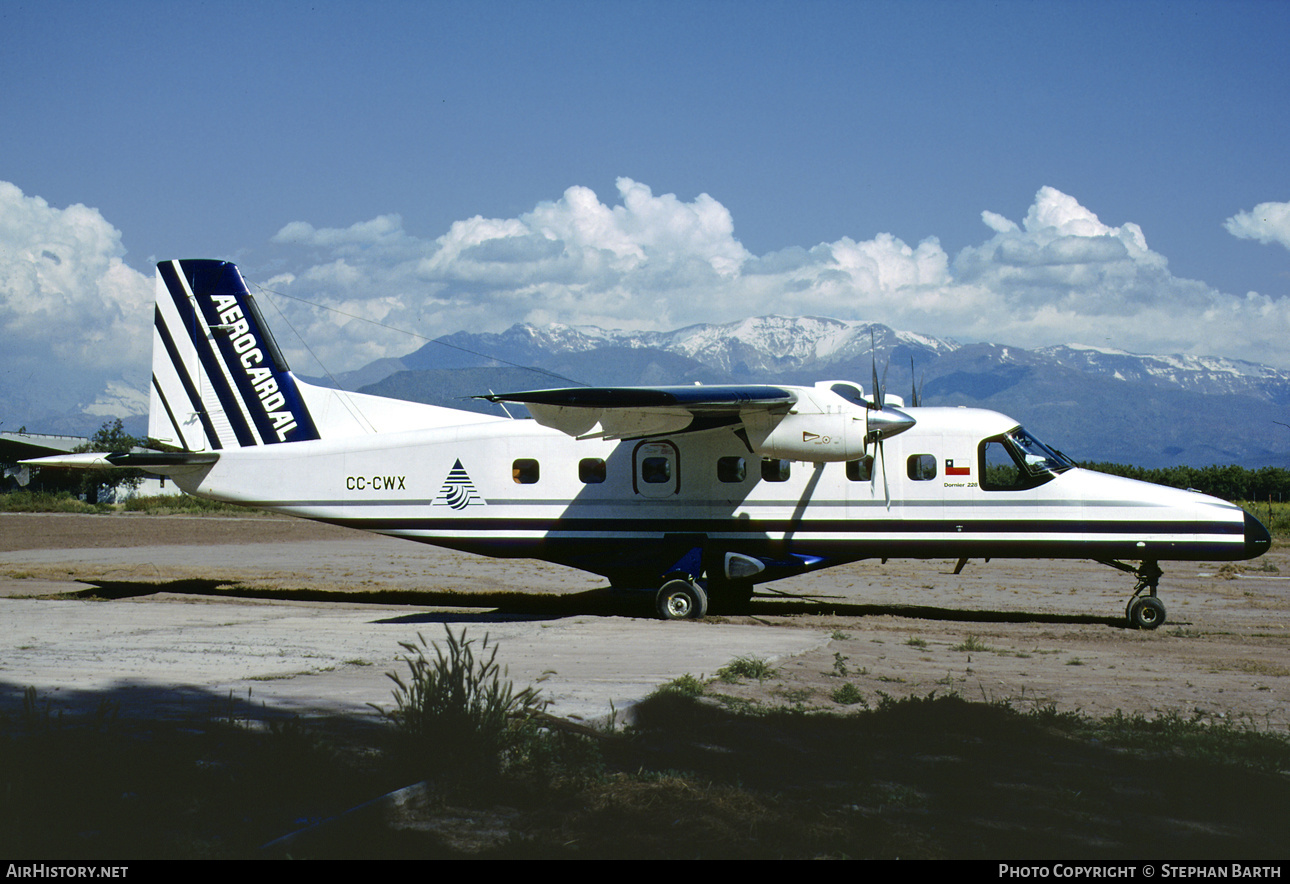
{"points": [[186, 624]]}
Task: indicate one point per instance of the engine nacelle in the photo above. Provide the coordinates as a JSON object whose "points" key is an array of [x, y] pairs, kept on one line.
{"points": [[812, 437]]}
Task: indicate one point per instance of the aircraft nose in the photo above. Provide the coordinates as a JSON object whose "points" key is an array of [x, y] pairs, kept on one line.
{"points": [[1257, 538]]}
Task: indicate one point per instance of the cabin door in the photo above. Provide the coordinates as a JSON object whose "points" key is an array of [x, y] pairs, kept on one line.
{"points": [[656, 470]]}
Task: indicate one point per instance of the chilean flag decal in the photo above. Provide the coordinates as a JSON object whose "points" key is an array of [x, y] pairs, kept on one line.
{"points": [[953, 469]]}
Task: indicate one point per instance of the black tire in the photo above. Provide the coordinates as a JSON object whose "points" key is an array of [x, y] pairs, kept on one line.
{"points": [[681, 600], [1147, 612]]}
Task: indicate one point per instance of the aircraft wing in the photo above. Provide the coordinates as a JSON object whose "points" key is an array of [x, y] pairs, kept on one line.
{"points": [[639, 412]]}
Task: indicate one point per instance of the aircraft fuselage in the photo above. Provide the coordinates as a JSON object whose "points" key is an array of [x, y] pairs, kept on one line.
{"points": [[630, 509]]}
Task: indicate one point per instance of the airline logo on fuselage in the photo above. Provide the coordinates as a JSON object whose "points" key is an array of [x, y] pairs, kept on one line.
{"points": [[458, 491], [251, 358]]}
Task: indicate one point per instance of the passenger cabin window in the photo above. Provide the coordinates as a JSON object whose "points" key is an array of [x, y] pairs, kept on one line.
{"points": [[656, 470], [860, 470], [732, 469], [525, 471], [775, 469], [922, 467], [591, 470]]}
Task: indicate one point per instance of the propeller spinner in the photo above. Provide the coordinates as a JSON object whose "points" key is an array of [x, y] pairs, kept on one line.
{"points": [[883, 422]]}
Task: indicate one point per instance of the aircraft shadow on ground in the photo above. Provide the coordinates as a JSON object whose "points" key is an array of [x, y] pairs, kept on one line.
{"points": [[131, 700], [603, 602]]}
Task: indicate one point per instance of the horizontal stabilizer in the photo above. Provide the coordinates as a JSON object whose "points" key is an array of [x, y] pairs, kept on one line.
{"points": [[125, 460], [143, 460]]}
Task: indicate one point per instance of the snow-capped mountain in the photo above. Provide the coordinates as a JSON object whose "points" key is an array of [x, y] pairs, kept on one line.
{"points": [[756, 347], [779, 343], [1202, 374], [1095, 403]]}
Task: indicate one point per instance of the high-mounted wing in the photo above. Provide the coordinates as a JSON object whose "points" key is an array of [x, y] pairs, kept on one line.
{"points": [[639, 412]]}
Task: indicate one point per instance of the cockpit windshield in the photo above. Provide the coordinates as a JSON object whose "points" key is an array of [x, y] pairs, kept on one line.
{"points": [[1018, 460], [1037, 457]]}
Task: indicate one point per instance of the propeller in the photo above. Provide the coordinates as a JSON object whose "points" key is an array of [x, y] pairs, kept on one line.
{"points": [[882, 422], [916, 387]]}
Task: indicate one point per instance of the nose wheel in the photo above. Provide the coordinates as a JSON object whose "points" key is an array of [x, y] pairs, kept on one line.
{"points": [[1144, 610]]}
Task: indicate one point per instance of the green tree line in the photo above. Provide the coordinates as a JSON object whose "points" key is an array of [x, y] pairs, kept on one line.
{"points": [[1226, 482]]}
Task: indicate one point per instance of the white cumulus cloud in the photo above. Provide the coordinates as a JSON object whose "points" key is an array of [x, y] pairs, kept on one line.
{"points": [[1267, 223], [1064, 275], [658, 262], [73, 315]]}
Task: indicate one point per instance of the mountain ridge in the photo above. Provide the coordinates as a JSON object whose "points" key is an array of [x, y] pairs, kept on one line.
{"points": [[1096, 403], [1100, 404]]}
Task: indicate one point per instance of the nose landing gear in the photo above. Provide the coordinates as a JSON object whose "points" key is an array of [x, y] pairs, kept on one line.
{"points": [[1142, 611], [1145, 612]]}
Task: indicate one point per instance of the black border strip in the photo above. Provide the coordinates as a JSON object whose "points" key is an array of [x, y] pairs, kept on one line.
{"points": [[968, 530]]}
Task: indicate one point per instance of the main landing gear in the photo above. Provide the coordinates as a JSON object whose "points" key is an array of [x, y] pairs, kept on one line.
{"points": [[1142, 611], [681, 598]]}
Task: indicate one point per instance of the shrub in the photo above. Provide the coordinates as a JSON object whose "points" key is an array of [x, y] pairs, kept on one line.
{"points": [[456, 712], [848, 695]]}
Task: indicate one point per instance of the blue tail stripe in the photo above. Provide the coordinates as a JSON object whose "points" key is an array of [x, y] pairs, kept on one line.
{"points": [[209, 360], [229, 284], [190, 389]]}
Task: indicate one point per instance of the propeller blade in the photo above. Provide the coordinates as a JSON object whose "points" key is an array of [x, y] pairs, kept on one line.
{"points": [[886, 486], [877, 388]]}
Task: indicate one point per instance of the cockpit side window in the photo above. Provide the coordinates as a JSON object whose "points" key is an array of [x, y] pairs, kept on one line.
{"points": [[999, 470], [1017, 460]]}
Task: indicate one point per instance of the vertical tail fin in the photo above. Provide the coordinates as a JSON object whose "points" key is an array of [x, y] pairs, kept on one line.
{"points": [[218, 378]]}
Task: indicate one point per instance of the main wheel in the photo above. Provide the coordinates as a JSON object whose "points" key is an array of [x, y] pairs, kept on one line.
{"points": [[681, 600], [1147, 612]]}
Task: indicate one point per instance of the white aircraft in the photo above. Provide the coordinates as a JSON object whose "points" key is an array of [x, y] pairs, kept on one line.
{"points": [[693, 493]]}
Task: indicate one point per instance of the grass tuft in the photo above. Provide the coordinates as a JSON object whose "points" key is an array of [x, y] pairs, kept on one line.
{"points": [[685, 686], [746, 667], [972, 643]]}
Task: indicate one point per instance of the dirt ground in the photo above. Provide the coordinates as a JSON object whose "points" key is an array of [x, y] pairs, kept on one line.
{"points": [[184, 624], [1033, 633]]}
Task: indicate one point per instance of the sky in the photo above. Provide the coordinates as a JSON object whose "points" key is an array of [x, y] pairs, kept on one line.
{"points": [[1106, 173]]}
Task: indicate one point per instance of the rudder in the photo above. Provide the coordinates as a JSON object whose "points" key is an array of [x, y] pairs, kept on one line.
{"points": [[218, 378]]}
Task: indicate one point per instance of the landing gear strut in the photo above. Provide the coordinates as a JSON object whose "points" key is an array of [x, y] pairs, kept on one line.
{"points": [[1142, 611]]}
